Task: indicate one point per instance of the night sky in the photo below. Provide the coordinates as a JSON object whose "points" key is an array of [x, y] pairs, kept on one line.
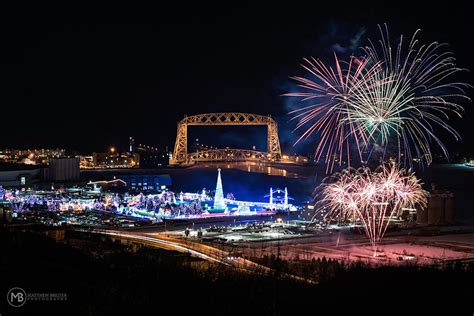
{"points": [[89, 86]]}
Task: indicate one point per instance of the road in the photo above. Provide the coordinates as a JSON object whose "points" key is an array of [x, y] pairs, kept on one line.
{"points": [[198, 250]]}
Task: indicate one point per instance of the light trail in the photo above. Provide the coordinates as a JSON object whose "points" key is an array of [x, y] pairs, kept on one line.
{"points": [[202, 251], [163, 243]]}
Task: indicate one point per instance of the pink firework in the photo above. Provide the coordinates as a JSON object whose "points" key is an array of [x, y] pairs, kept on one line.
{"points": [[371, 198]]}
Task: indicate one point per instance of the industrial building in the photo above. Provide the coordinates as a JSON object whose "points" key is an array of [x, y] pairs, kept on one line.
{"points": [[440, 210], [64, 169], [146, 182], [135, 179]]}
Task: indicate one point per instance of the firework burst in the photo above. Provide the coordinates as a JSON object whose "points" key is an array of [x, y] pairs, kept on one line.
{"points": [[371, 198], [417, 94], [331, 93], [393, 96]]}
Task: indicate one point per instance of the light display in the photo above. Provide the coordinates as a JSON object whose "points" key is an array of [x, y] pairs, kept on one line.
{"points": [[165, 204], [219, 196]]}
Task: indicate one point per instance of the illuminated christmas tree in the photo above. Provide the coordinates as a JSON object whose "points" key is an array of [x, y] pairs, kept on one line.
{"points": [[219, 202]]}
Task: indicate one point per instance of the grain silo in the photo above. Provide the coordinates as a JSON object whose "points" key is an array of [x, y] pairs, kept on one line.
{"points": [[435, 208], [449, 208]]}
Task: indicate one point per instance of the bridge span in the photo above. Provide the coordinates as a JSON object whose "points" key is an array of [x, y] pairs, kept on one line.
{"points": [[180, 152]]}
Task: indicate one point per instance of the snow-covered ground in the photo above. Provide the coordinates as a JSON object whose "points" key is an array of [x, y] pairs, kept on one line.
{"points": [[394, 250]]}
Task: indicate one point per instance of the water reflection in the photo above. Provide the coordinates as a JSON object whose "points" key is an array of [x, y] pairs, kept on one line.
{"points": [[255, 167]]}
